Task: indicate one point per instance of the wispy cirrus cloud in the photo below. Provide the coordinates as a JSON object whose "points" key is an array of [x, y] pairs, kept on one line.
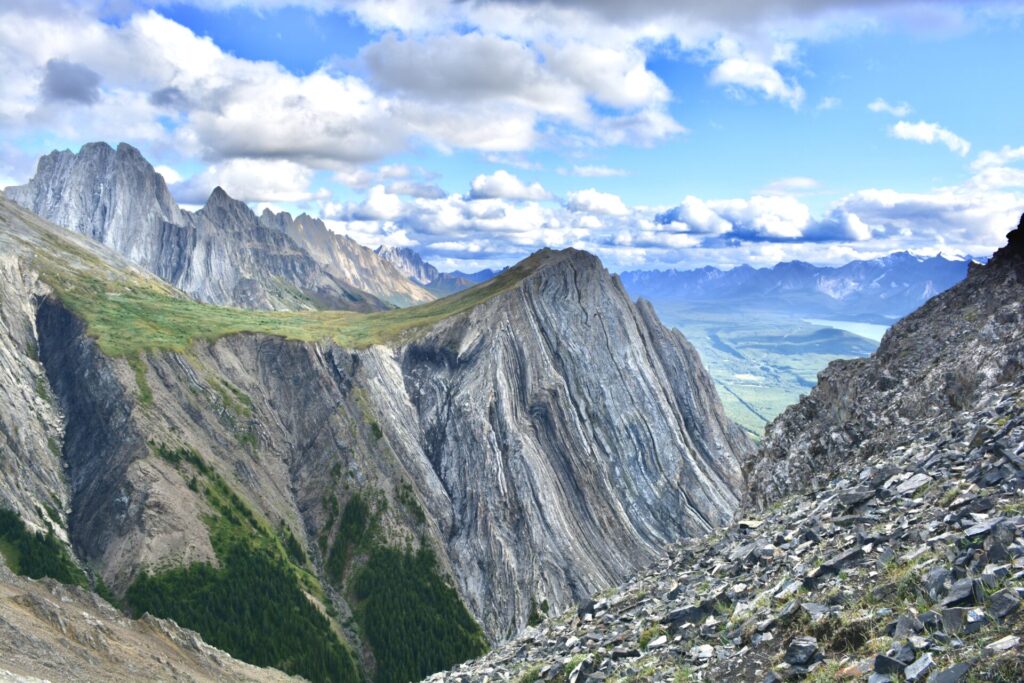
{"points": [[880, 106]]}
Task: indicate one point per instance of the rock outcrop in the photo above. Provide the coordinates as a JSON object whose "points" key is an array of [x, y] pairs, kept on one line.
{"points": [[545, 442], [409, 263], [31, 424], [222, 254], [579, 419]]}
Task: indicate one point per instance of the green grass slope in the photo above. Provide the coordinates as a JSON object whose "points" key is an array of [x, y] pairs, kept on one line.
{"points": [[128, 311]]}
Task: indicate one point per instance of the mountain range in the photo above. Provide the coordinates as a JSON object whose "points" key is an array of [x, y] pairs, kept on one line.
{"points": [[878, 290], [223, 253], [412, 265], [226, 454]]}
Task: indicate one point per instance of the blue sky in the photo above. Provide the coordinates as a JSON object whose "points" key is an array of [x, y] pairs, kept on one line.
{"points": [[476, 132]]}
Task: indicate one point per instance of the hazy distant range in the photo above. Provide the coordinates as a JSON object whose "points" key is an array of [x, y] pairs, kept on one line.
{"points": [[765, 333]]}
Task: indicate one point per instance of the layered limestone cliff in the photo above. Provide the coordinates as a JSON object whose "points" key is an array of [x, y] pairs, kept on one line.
{"points": [[31, 424], [944, 358], [221, 254], [545, 440]]}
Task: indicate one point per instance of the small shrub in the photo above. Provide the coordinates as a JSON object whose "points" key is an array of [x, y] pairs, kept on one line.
{"points": [[650, 634]]}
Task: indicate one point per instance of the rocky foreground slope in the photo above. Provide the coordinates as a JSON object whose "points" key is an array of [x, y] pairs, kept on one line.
{"points": [[221, 254], [892, 544], [507, 451]]}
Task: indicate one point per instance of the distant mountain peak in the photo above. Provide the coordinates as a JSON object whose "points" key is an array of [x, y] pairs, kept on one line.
{"points": [[409, 263], [226, 211], [218, 196]]}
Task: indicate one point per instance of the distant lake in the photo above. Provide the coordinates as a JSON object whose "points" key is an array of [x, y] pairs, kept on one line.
{"points": [[867, 330]]}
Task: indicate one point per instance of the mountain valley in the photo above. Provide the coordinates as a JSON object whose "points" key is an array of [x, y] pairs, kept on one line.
{"points": [[766, 333]]}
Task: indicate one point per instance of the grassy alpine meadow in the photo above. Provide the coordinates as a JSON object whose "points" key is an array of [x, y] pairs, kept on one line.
{"points": [[128, 311], [142, 316]]}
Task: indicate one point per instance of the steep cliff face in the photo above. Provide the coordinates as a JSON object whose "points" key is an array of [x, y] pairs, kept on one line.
{"points": [[112, 196], [347, 260], [221, 254], [31, 424], [544, 440], [944, 358], [572, 413]]}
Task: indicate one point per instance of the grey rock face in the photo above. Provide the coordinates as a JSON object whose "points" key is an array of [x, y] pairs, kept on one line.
{"points": [[31, 425], [412, 266], [579, 419], [347, 260], [943, 358], [112, 196], [221, 254]]}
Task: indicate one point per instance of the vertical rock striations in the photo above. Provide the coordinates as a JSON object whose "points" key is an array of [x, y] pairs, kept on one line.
{"points": [[409, 263], [574, 435]]}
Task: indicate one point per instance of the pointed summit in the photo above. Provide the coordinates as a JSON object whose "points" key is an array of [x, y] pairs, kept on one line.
{"points": [[227, 212], [218, 196]]}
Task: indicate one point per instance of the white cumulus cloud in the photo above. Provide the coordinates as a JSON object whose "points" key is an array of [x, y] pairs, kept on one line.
{"points": [[597, 171], [250, 180], [931, 133], [503, 185], [593, 201], [758, 76], [1001, 157]]}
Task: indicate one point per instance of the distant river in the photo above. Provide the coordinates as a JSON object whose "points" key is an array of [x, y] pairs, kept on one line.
{"points": [[866, 330]]}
